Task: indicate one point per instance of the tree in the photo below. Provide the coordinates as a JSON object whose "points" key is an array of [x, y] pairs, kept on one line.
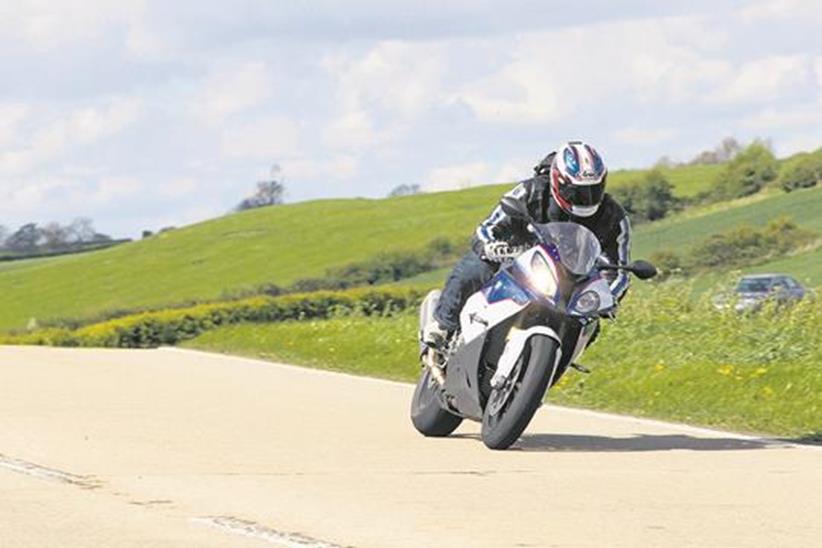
{"points": [[804, 173], [81, 230], [649, 198], [55, 236], [728, 149], [724, 152], [99, 237], [268, 193], [404, 190], [25, 239], [51, 237], [748, 172], [665, 162]]}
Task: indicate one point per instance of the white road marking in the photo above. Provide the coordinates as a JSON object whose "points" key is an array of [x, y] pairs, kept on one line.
{"points": [[254, 530], [37, 471], [772, 442]]}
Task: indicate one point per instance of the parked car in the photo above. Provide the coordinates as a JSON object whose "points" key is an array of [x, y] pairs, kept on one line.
{"points": [[754, 289]]}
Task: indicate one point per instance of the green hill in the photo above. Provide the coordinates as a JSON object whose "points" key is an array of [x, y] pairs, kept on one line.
{"points": [[682, 231], [282, 244]]}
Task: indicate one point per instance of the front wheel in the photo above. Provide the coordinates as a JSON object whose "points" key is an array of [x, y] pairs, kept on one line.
{"points": [[427, 414], [512, 406]]}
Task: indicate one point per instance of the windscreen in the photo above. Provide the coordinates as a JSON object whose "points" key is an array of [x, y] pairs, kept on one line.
{"points": [[754, 285], [578, 247]]}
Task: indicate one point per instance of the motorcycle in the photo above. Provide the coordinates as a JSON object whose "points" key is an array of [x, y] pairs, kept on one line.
{"points": [[518, 335]]}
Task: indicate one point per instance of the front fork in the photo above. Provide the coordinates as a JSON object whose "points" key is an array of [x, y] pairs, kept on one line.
{"points": [[434, 361], [514, 347]]}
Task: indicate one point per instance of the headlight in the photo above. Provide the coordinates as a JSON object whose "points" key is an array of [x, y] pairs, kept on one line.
{"points": [[542, 276], [587, 302]]}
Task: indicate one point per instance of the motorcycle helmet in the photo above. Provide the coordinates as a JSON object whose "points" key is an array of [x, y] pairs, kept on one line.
{"points": [[578, 177]]}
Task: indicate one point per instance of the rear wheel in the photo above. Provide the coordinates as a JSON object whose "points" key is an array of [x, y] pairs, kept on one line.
{"points": [[427, 413], [512, 406]]}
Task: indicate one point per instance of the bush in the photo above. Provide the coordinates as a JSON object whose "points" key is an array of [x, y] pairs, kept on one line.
{"points": [[308, 285], [168, 327], [805, 173], [747, 173], [739, 247], [649, 198], [668, 263], [384, 268], [442, 248], [731, 248]]}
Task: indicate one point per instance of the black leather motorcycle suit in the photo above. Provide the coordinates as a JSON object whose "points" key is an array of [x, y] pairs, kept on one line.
{"points": [[610, 224]]}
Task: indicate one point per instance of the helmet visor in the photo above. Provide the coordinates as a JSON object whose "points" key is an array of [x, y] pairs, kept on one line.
{"points": [[582, 195]]}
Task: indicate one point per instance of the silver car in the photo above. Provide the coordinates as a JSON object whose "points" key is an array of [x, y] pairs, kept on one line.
{"points": [[753, 290]]}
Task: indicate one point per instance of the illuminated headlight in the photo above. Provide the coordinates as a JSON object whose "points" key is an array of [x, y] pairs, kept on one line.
{"points": [[587, 302], [542, 276]]}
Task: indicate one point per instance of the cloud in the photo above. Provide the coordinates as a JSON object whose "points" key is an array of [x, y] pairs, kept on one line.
{"points": [[44, 25], [803, 141], [11, 114], [192, 100], [806, 11], [549, 76], [108, 191], [178, 188], [458, 176], [392, 82], [269, 139], [57, 134], [336, 168], [648, 137], [465, 175], [352, 131], [233, 88], [802, 116], [763, 80], [521, 92], [57, 197]]}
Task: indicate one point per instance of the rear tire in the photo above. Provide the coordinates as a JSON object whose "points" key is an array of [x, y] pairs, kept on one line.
{"points": [[427, 414], [504, 423]]}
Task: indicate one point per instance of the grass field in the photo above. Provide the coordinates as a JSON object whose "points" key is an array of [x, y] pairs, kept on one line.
{"points": [[6, 266], [277, 245], [679, 232], [282, 244], [666, 357], [682, 231]]}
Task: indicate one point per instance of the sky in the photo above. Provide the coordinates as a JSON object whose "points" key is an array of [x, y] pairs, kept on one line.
{"points": [[142, 114]]}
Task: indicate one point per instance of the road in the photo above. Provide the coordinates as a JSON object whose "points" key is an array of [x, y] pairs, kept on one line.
{"points": [[170, 448]]}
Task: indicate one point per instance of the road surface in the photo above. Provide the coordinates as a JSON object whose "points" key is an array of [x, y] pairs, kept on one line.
{"points": [[175, 448]]}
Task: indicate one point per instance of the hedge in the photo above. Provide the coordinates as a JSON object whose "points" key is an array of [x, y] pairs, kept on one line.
{"points": [[168, 327], [738, 247]]}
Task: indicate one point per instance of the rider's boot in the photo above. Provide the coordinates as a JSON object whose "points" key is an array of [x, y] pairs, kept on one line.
{"points": [[435, 337]]}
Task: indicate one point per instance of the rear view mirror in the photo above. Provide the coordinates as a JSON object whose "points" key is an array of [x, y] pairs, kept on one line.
{"points": [[514, 208], [643, 269]]}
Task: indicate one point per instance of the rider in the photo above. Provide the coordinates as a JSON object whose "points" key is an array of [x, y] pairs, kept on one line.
{"points": [[568, 185]]}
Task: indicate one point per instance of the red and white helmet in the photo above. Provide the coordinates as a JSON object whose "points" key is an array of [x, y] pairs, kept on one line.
{"points": [[578, 179]]}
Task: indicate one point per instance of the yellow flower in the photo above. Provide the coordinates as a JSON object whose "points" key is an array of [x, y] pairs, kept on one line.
{"points": [[726, 370]]}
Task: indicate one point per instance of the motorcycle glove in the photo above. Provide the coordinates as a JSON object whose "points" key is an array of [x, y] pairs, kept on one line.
{"points": [[498, 252]]}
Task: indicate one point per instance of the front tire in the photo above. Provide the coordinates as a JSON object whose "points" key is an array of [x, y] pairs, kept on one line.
{"points": [[511, 407], [427, 414]]}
